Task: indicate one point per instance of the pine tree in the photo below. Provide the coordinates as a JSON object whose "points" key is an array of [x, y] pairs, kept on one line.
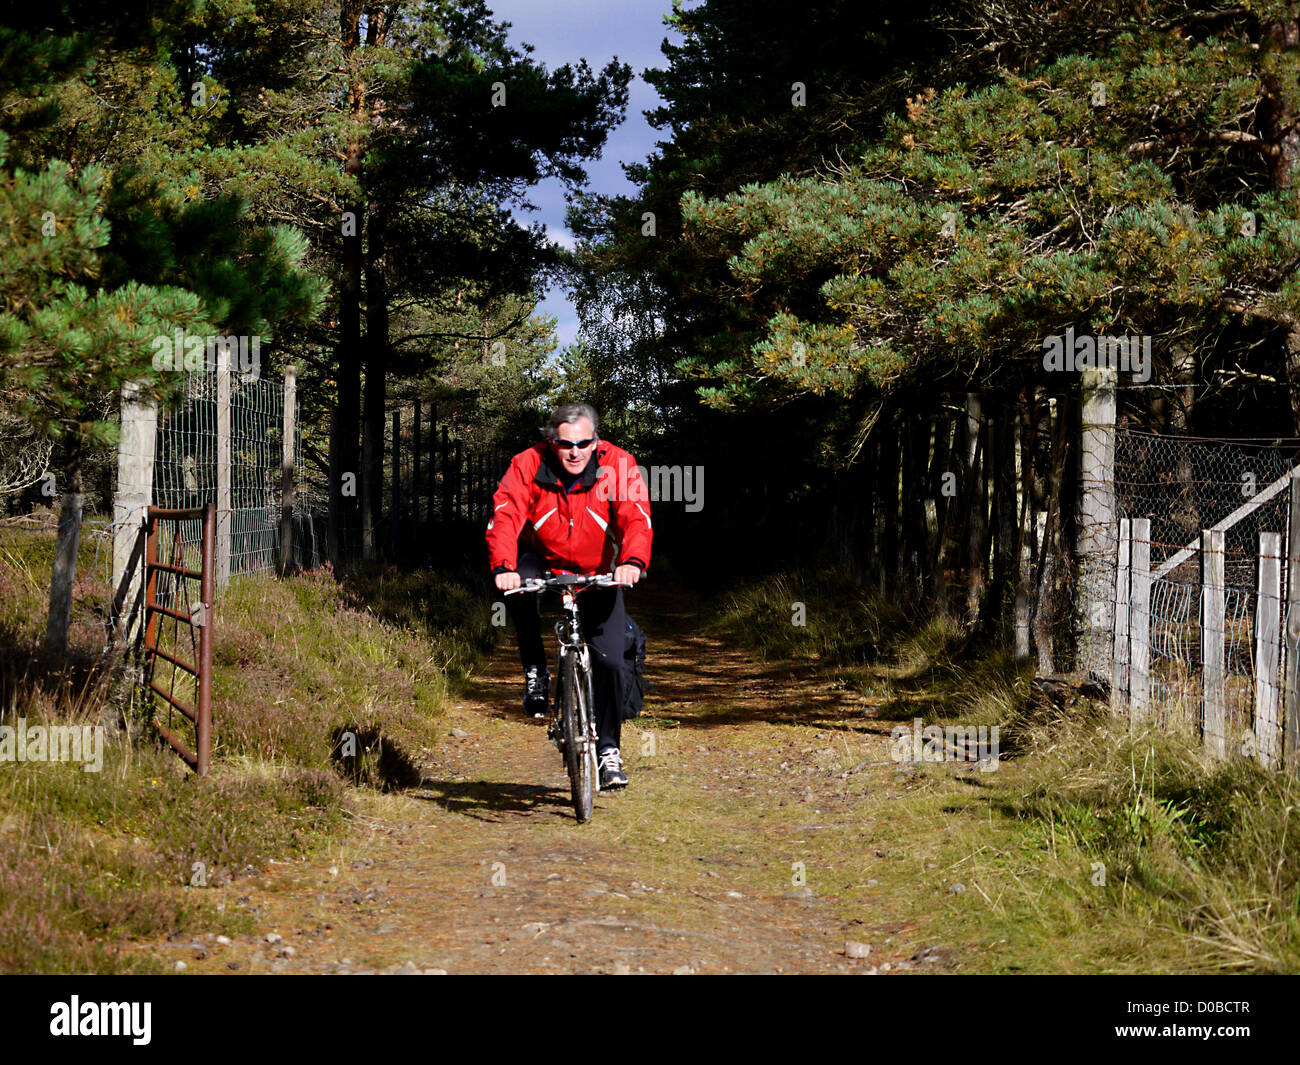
{"points": [[432, 126], [100, 258], [984, 221]]}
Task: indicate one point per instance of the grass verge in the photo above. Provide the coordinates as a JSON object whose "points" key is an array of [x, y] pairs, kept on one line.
{"points": [[315, 683], [1095, 846]]}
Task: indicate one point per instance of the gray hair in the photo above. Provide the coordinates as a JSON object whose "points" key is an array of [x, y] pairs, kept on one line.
{"points": [[569, 413]]}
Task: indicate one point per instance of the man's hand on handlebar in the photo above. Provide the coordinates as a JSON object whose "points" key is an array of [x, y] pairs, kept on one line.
{"points": [[512, 583]]}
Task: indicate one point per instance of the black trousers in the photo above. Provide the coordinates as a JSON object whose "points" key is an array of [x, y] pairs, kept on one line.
{"points": [[603, 619]]}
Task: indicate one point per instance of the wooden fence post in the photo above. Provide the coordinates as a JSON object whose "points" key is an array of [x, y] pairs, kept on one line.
{"points": [[134, 494], [1119, 682], [1139, 624], [1095, 541], [1268, 605], [225, 513], [1291, 702], [287, 454], [1213, 702]]}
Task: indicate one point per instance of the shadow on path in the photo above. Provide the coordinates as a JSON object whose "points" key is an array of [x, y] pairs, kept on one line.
{"points": [[484, 799]]}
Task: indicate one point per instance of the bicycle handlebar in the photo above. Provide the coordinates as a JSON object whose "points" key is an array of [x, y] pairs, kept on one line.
{"points": [[576, 581]]}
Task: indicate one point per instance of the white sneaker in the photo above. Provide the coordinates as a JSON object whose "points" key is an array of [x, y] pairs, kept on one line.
{"points": [[611, 769]]}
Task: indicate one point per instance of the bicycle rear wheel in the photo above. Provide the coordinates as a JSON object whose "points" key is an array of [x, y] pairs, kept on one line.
{"points": [[579, 758]]}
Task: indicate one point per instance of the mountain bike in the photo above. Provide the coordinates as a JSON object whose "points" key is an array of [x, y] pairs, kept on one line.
{"points": [[572, 722]]}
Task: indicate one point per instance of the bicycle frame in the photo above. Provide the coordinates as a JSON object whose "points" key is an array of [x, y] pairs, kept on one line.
{"points": [[582, 763], [568, 633]]}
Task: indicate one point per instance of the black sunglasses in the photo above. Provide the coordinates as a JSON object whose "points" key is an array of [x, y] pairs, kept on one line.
{"points": [[567, 445]]}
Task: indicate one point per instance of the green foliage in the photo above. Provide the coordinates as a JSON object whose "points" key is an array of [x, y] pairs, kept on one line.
{"points": [[985, 219], [486, 365], [827, 616], [90, 860], [732, 119], [1101, 838]]}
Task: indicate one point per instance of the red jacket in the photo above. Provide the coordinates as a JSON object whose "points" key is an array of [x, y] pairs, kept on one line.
{"points": [[602, 521]]}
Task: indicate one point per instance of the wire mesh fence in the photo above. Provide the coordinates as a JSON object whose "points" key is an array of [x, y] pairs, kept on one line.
{"points": [[1201, 649], [1175, 656], [188, 454], [428, 476], [1186, 484], [185, 462]]}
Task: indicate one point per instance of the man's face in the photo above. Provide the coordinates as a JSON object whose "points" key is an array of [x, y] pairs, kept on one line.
{"points": [[573, 459]]}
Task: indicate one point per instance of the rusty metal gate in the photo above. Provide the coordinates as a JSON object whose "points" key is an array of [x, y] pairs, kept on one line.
{"points": [[167, 595]]}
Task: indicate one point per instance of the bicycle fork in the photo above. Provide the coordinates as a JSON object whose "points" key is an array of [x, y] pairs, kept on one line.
{"points": [[587, 750], [587, 742]]}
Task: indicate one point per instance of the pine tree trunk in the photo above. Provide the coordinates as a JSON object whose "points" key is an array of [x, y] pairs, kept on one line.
{"points": [[913, 464], [65, 554], [1024, 543], [345, 422], [864, 517], [373, 265], [974, 502], [1280, 121], [1005, 516], [1188, 512], [345, 464], [372, 432], [1046, 598], [942, 511], [890, 454], [875, 527]]}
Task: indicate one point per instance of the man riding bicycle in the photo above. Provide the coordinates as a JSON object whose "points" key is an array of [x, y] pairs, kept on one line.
{"points": [[574, 504]]}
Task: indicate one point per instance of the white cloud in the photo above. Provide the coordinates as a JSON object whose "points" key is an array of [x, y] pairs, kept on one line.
{"points": [[561, 237]]}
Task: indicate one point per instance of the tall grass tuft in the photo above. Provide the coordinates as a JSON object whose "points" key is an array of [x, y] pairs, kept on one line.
{"points": [[827, 616]]}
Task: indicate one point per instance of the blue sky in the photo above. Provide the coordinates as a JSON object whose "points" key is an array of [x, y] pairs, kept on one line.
{"points": [[564, 31]]}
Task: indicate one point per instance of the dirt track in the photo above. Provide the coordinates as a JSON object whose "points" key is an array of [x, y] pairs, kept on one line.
{"points": [[743, 844]]}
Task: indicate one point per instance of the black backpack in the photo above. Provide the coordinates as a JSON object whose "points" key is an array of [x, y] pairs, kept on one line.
{"points": [[635, 683]]}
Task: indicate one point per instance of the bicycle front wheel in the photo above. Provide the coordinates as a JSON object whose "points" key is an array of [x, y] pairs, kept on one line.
{"points": [[579, 755]]}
